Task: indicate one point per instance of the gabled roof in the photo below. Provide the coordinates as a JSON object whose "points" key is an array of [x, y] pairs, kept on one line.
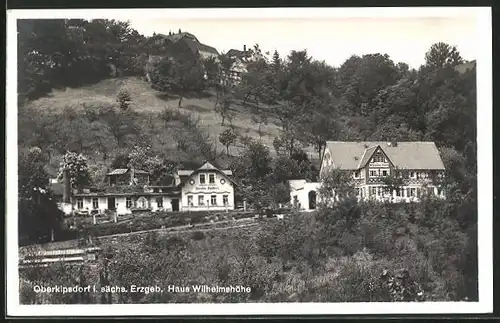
{"points": [[297, 184], [188, 172], [184, 172], [121, 171], [237, 53], [367, 154], [208, 49], [404, 155], [178, 36], [118, 171], [206, 167]]}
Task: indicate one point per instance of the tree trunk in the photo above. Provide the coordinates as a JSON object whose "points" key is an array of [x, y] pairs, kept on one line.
{"points": [[180, 101], [227, 150]]}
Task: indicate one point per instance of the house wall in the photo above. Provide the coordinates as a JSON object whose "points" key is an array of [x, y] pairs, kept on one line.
{"points": [[301, 195], [365, 184], [87, 203], [121, 203], [206, 55], [207, 190]]}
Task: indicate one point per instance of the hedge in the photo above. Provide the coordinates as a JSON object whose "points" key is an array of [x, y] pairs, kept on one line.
{"points": [[157, 220]]}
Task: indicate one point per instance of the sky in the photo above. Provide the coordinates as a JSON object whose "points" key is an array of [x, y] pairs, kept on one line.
{"points": [[332, 39]]}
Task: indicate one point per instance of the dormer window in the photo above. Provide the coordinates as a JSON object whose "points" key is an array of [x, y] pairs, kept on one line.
{"points": [[356, 174], [202, 178]]}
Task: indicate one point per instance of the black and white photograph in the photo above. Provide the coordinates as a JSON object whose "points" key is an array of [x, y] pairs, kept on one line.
{"points": [[249, 161]]}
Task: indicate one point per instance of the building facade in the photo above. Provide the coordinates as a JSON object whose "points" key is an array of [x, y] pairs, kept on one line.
{"points": [[303, 194], [206, 188], [127, 191], [416, 167], [385, 171]]}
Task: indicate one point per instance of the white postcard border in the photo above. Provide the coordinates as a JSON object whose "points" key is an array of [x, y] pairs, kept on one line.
{"points": [[484, 148]]}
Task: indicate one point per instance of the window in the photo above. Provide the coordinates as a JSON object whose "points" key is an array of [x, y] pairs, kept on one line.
{"points": [[128, 202], [159, 201], [373, 173], [398, 192], [143, 203], [201, 201], [79, 203], [412, 191], [190, 200], [213, 200], [211, 178], [384, 173], [378, 158], [373, 191], [412, 175], [356, 174], [225, 199], [95, 203], [357, 191], [202, 178]]}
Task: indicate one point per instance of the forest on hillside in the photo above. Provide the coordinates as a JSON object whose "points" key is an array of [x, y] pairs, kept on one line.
{"points": [[369, 97]]}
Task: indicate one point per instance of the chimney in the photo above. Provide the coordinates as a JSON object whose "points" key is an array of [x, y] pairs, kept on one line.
{"points": [[394, 143], [179, 30], [66, 186], [132, 176], [245, 48]]}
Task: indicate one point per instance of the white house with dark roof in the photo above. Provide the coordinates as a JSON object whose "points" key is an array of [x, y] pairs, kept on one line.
{"points": [[417, 165], [206, 188], [129, 190]]}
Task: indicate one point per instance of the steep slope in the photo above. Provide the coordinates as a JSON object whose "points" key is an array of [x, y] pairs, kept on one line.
{"points": [[148, 101]]}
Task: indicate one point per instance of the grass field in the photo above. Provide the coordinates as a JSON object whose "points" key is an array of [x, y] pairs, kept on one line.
{"points": [[146, 100]]}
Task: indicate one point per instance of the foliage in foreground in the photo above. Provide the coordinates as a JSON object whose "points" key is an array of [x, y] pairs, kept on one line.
{"points": [[356, 252]]}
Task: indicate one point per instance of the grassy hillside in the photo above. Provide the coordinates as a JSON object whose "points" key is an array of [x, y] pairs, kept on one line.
{"points": [[148, 101]]}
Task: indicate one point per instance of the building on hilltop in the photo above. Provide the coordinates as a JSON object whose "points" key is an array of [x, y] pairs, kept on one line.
{"points": [[241, 59], [161, 46], [418, 165], [184, 38], [127, 190]]}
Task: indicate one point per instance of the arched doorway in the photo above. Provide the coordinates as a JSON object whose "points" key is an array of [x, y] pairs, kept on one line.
{"points": [[312, 200]]}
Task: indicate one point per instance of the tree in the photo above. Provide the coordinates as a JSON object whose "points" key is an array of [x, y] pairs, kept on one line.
{"points": [[260, 121], [224, 87], [32, 173], [39, 217], [394, 181], [227, 138], [361, 78], [120, 161], [124, 99], [77, 166], [180, 74], [252, 169], [442, 55], [336, 186]]}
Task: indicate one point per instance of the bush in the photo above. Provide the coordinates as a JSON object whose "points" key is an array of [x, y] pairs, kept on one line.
{"points": [[197, 235]]}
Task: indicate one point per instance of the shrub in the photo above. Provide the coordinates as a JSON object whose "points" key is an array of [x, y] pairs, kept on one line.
{"points": [[197, 235]]}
